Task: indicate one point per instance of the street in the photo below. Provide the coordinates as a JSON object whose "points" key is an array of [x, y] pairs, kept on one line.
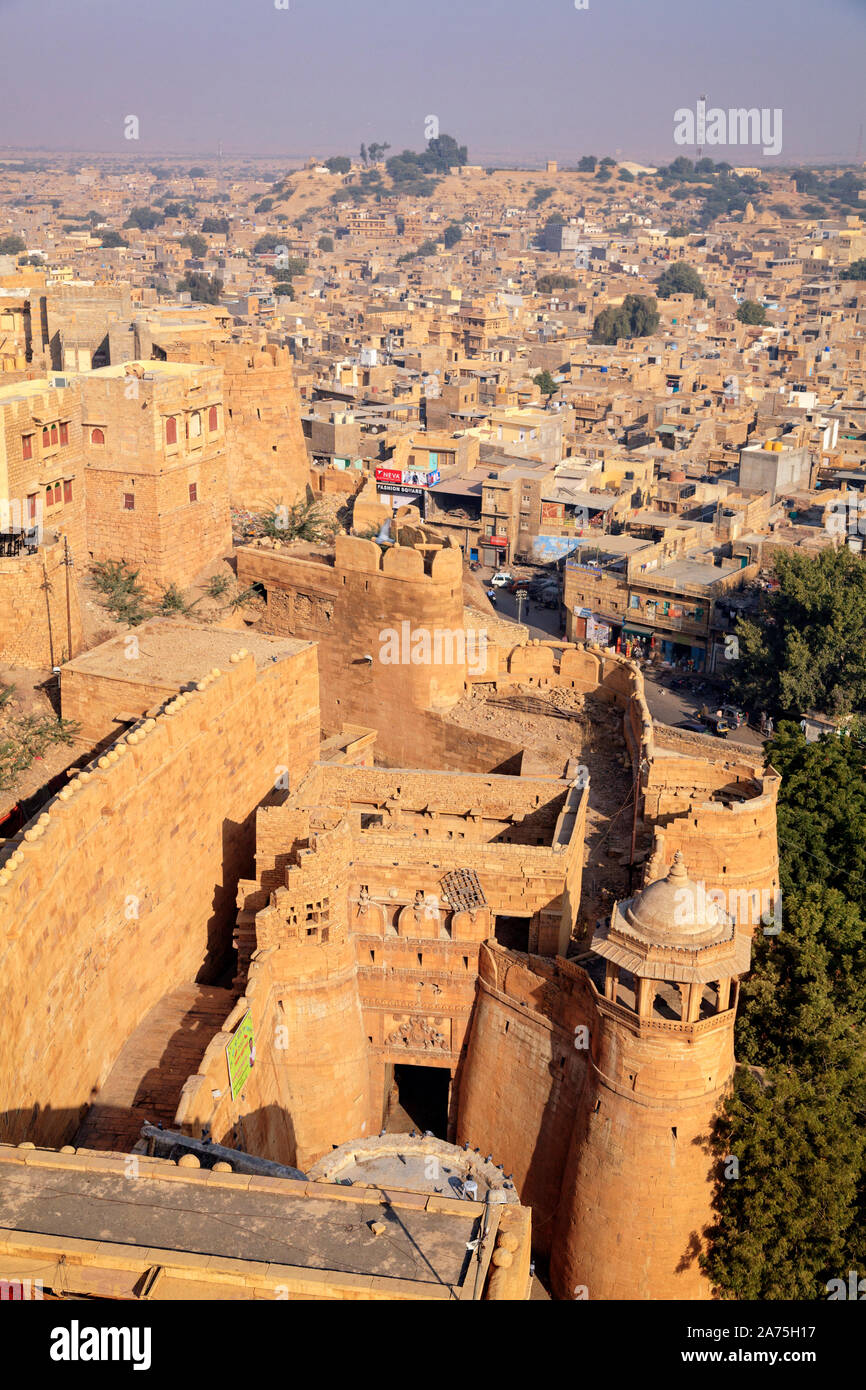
{"points": [[665, 705]]}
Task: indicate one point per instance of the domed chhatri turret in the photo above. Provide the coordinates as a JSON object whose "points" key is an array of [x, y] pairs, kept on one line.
{"points": [[674, 931], [661, 1061]]}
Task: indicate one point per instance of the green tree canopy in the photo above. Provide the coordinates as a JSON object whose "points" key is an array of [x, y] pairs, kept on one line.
{"points": [[556, 281], [12, 245], [790, 1216], [338, 164], [197, 244], [636, 317], [203, 288], [750, 311], [545, 383], [680, 278], [325, 243], [855, 271], [145, 219], [806, 648]]}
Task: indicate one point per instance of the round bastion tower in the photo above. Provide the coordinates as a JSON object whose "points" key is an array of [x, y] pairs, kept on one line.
{"points": [[638, 1183]]}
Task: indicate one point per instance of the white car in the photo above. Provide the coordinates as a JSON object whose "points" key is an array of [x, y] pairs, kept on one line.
{"points": [[501, 578]]}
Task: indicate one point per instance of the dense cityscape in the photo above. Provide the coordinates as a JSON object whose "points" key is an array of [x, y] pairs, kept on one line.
{"points": [[432, 714]]}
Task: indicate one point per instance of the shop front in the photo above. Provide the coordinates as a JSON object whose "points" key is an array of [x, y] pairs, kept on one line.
{"points": [[591, 627], [494, 551]]}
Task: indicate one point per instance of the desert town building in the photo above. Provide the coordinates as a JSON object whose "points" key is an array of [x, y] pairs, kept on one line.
{"points": [[349, 851]]}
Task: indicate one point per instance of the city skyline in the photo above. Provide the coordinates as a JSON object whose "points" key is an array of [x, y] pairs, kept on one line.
{"points": [[606, 80]]}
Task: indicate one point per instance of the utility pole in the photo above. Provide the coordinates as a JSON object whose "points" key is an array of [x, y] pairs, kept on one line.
{"points": [[68, 563]]}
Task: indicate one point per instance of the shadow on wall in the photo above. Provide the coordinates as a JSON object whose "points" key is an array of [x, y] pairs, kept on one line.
{"points": [[54, 1126], [238, 861], [268, 1132]]}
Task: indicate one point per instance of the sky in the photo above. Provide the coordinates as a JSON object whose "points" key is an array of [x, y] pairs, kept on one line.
{"points": [[514, 80]]}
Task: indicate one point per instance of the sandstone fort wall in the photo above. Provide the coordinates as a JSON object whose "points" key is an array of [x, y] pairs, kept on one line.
{"points": [[125, 885]]}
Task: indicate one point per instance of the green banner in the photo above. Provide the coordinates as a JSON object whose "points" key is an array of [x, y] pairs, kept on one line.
{"points": [[240, 1055]]}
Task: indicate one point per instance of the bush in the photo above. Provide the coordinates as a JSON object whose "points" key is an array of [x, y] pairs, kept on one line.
{"points": [[123, 595], [304, 521], [26, 737]]}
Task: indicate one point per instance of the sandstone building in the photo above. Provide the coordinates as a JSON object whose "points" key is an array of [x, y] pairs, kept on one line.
{"points": [[400, 937], [157, 479]]}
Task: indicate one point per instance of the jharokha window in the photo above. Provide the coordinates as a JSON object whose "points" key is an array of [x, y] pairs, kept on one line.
{"points": [[53, 434], [97, 436], [64, 434], [212, 418], [171, 430], [46, 438]]}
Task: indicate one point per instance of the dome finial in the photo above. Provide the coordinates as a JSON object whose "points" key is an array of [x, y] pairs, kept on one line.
{"points": [[678, 868]]}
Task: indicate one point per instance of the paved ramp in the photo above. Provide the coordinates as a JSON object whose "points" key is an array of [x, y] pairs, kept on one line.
{"points": [[146, 1080]]}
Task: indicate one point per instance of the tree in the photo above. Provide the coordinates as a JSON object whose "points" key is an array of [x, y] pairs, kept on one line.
{"points": [[452, 234], [145, 219], [364, 155], [197, 172], [680, 279], [855, 271], [12, 245], [806, 648], [444, 153], [205, 289], [545, 283], [636, 317], [112, 239], [540, 196], [197, 244], [791, 1218], [750, 311], [338, 164], [325, 243], [545, 383], [215, 225], [587, 164]]}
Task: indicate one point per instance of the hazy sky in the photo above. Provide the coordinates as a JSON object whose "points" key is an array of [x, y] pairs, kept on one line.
{"points": [[513, 79]]}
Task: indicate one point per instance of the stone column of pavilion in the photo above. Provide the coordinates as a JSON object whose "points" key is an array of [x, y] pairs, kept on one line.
{"points": [[638, 1183]]}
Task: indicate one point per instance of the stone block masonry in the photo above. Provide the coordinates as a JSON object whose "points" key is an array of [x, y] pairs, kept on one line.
{"points": [[125, 886], [266, 454]]}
